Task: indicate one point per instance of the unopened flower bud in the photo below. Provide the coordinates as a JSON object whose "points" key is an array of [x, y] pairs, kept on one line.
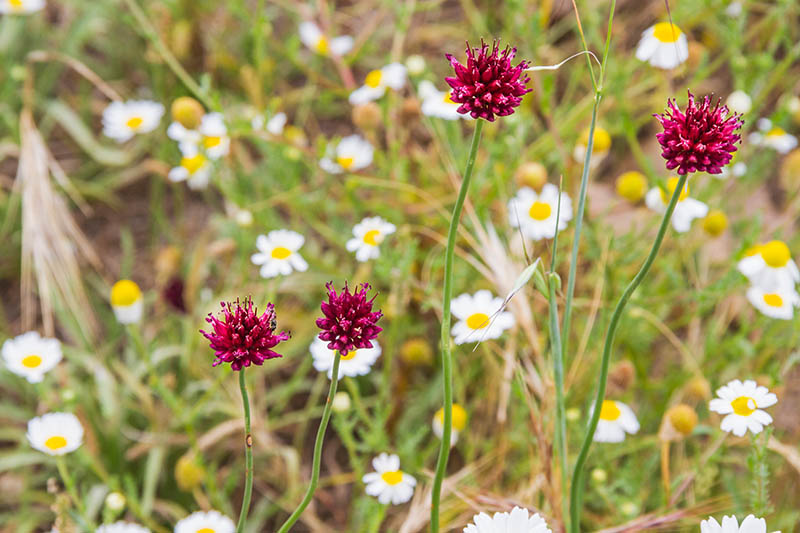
{"points": [[415, 65], [188, 112], [188, 474], [341, 402], [531, 174], [683, 418], [416, 352], [115, 501], [367, 116]]}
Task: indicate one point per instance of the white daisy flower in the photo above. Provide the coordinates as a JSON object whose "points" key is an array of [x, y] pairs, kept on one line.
{"points": [[187, 139], [123, 120], [750, 524], [388, 483], [601, 145], [314, 39], [436, 103], [20, 7], [742, 404], [517, 521], [214, 136], [459, 423], [195, 169], [278, 253], [664, 46], [616, 419], [351, 153], [127, 302], [776, 303], [55, 433], [739, 102], [686, 210], [274, 125], [773, 137], [368, 236], [476, 316], [392, 76], [770, 266], [354, 363], [202, 522], [31, 356], [535, 213], [122, 527]]}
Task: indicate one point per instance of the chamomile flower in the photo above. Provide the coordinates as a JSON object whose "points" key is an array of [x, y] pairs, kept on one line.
{"points": [[459, 423], [478, 317], [742, 405], [55, 433], [535, 213], [274, 125], [31, 356], [686, 210], [730, 524], [616, 419], [20, 7], [388, 483], [126, 302], [368, 236], [122, 527], [123, 120], [436, 103], [778, 302], [773, 137], [770, 266], [214, 136], [351, 153], [278, 253], [194, 169], [600, 146], [517, 521], [205, 522], [663, 45], [311, 36], [392, 76], [356, 362]]}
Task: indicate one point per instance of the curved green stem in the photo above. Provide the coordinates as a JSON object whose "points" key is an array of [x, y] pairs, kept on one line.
{"points": [[248, 442], [447, 360], [576, 491], [323, 425], [69, 484]]}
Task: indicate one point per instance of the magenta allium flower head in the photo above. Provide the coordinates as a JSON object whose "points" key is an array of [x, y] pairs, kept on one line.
{"points": [[349, 322], [241, 337], [700, 139], [488, 84]]}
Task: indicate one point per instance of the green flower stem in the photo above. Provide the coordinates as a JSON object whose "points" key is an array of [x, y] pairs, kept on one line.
{"points": [[69, 484], [248, 450], [323, 425], [447, 360], [576, 490]]}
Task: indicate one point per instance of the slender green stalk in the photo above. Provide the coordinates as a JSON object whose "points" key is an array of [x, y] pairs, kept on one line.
{"points": [[447, 359], [323, 425], [248, 451], [576, 492], [69, 484]]}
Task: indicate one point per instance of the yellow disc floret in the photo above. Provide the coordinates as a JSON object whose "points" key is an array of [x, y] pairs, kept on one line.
{"points": [[632, 186], [715, 223], [775, 254], [124, 293], [609, 411], [671, 184], [666, 32]]}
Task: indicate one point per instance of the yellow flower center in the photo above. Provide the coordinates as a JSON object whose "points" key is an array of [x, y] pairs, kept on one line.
{"points": [[31, 361], [134, 122], [776, 132], [322, 46], [206, 530], [666, 32], [753, 250], [280, 252], [602, 140], [211, 142], [478, 321], [609, 411], [447, 99], [16, 4], [55, 442], [392, 478], [194, 163], [632, 186], [744, 406], [671, 184], [372, 237], [773, 300], [459, 417], [345, 162], [374, 79], [776, 254], [540, 211], [349, 355], [124, 293]]}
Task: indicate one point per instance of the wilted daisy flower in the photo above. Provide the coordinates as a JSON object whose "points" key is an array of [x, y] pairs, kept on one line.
{"points": [[122, 527], [123, 120], [392, 76], [349, 322], [31, 356], [367, 237], [517, 521], [773, 137], [20, 7], [126, 302], [600, 147], [686, 210], [739, 102], [742, 403], [459, 423], [55, 433], [730, 524], [535, 213], [274, 125], [205, 522], [194, 169], [777, 302], [243, 337], [311, 36], [770, 266], [357, 362], [436, 103], [351, 153], [664, 46], [478, 317], [278, 253], [616, 419], [388, 483]]}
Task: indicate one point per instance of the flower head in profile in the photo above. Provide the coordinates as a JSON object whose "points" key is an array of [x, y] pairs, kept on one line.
{"points": [[31, 356], [353, 363], [392, 76], [459, 423], [204, 522], [123, 120], [700, 139], [517, 521], [616, 419], [730, 524], [436, 103], [742, 404], [122, 527], [770, 266], [243, 337], [663, 45], [126, 301], [194, 168], [55, 433], [349, 323], [313, 37], [686, 210], [773, 136], [388, 483], [488, 86], [20, 7], [601, 145]]}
